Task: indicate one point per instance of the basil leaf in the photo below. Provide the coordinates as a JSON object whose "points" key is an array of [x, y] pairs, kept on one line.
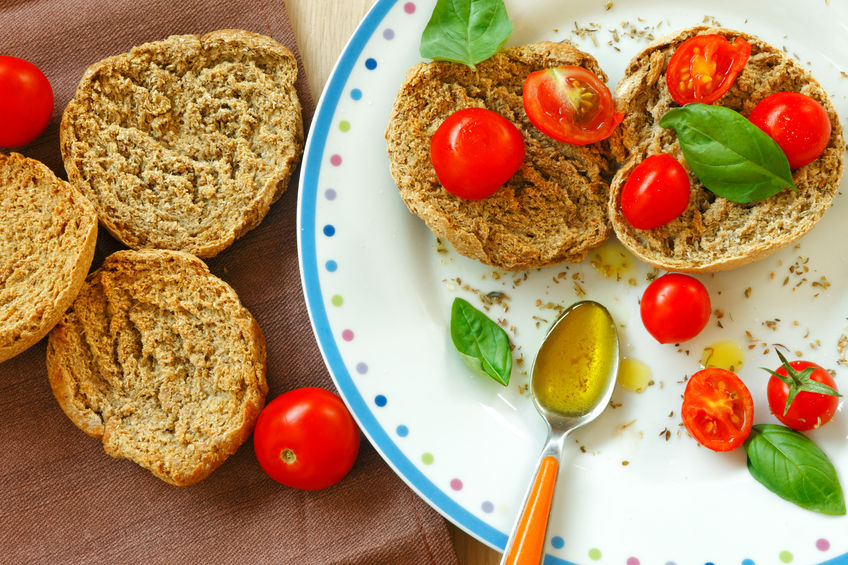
{"points": [[465, 31], [732, 157], [482, 344], [793, 467]]}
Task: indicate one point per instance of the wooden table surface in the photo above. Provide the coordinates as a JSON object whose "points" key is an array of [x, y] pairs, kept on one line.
{"points": [[322, 28]]}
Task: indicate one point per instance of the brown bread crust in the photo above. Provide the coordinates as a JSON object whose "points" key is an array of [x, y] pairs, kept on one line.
{"points": [[159, 359], [714, 234], [48, 232], [185, 143], [553, 209]]}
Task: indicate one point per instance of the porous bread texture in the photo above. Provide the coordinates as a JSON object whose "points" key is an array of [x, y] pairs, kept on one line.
{"points": [[551, 211], [185, 143], [48, 231], [714, 234], [159, 359]]}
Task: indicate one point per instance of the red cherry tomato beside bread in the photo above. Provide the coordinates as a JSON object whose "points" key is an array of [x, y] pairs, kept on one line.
{"points": [[306, 439], [26, 101], [717, 409], [656, 192], [675, 308], [802, 394], [704, 67], [799, 125], [570, 104], [475, 151]]}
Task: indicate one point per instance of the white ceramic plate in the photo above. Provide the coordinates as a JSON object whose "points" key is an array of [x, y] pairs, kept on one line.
{"points": [[379, 290]]}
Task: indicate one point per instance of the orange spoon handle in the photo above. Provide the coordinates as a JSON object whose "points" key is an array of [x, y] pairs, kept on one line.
{"points": [[529, 541]]}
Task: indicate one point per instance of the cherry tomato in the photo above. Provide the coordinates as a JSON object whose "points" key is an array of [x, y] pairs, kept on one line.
{"points": [[703, 67], [717, 409], [799, 125], [475, 151], [656, 192], [808, 409], [570, 104], [306, 439], [675, 308], [26, 101]]}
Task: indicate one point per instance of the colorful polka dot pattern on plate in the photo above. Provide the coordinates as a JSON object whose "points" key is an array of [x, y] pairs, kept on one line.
{"points": [[344, 125]]}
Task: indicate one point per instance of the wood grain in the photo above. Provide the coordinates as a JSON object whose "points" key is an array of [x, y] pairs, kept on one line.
{"points": [[322, 28]]}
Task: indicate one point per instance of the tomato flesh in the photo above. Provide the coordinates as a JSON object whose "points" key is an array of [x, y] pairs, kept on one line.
{"points": [[306, 439], [675, 308], [475, 151], [799, 125], [570, 104], [704, 67], [655, 193], [808, 410], [26, 101], [718, 410]]}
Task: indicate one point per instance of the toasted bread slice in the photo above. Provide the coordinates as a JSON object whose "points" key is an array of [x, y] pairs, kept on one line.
{"points": [[185, 143], [159, 359], [48, 231], [553, 210], [714, 234]]}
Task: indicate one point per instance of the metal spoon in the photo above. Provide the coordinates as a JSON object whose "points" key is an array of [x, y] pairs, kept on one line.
{"points": [[572, 381]]}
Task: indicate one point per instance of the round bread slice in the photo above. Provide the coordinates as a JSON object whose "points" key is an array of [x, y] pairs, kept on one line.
{"points": [[714, 234], [185, 143], [159, 359], [551, 211], [48, 231]]}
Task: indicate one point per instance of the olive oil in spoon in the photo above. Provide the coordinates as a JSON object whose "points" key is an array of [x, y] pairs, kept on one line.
{"points": [[572, 381]]}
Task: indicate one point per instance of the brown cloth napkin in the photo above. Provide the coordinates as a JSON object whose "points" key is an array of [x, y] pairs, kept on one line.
{"points": [[62, 499]]}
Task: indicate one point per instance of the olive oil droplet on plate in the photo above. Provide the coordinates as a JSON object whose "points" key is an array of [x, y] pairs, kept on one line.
{"points": [[633, 375], [613, 261], [723, 355]]}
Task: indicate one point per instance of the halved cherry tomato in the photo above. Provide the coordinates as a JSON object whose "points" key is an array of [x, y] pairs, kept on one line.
{"points": [[717, 409], [802, 405], [570, 104], [26, 101], [306, 439], [703, 67], [656, 192], [675, 308], [799, 125], [475, 151]]}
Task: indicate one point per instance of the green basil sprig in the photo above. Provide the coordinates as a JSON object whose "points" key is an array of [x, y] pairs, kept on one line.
{"points": [[732, 157], [465, 31], [482, 344], [793, 467]]}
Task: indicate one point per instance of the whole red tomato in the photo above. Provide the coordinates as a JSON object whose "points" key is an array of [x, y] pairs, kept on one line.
{"points": [[717, 409], [306, 439], [475, 151], [796, 395], [675, 308], [656, 192], [26, 101], [704, 67], [799, 125], [570, 104]]}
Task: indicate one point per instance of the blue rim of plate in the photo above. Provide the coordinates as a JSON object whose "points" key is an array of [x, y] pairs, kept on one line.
{"points": [[307, 256]]}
